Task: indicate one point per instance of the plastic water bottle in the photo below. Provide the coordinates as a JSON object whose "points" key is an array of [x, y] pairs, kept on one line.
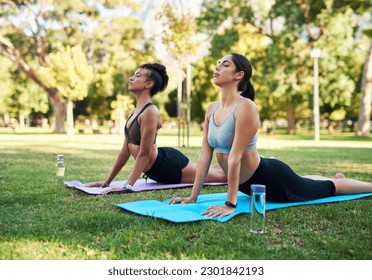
{"points": [[60, 170], [258, 204]]}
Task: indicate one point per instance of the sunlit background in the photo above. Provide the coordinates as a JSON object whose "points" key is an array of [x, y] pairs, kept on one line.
{"points": [[66, 64]]}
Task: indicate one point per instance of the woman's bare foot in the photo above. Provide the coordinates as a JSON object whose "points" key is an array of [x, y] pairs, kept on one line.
{"points": [[339, 176]]}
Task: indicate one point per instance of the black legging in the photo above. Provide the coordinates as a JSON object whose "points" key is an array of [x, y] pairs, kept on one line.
{"points": [[284, 185], [167, 168]]}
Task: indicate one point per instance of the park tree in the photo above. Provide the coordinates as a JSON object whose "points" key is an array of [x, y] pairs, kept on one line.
{"points": [[19, 96], [283, 76], [364, 119], [5, 84], [334, 27], [70, 73], [362, 10], [26, 98], [31, 30], [179, 38], [116, 47], [203, 92]]}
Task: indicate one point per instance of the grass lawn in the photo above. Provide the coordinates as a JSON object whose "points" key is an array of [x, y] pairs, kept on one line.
{"points": [[41, 221]]}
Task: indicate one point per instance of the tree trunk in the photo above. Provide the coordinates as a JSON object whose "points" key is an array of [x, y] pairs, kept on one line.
{"points": [[59, 107], [291, 118], [59, 110], [22, 120], [70, 119], [366, 97]]}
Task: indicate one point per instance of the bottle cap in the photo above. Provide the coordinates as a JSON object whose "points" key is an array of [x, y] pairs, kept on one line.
{"points": [[258, 188], [60, 157]]}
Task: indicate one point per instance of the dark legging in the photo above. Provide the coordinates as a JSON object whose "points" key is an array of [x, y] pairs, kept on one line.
{"points": [[167, 168], [284, 185]]}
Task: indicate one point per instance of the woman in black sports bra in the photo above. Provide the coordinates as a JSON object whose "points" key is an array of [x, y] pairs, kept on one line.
{"points": [[164, 165]]}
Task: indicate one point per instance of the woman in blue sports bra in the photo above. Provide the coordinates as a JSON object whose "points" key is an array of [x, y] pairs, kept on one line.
{"points": [[164, 165], [231, 130]]}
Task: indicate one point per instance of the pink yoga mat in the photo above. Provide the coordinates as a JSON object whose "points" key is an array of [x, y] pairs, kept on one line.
{"points": [[139, 186]]}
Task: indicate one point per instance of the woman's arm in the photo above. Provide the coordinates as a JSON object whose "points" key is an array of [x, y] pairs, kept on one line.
{"points": [[246, 126], [202, 165], [149, 125], [205, 158], [121, 160]]}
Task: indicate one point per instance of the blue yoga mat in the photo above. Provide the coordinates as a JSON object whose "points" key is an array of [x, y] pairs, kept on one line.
{"points": [[182, 213]]}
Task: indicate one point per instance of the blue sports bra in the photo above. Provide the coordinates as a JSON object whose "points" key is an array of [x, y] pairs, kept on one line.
{"points": [[221, 137]]}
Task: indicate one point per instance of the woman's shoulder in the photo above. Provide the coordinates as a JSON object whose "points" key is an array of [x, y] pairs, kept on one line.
{"points": [[211, 108], [153, 110], [213, 105], [151, 113], [247, 110], [247, 104]]}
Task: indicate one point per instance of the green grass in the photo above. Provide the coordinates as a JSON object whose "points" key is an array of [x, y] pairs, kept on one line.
{"points": [[41, 221]]}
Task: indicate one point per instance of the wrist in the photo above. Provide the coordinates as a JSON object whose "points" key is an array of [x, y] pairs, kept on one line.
{"points": [[127, 186], [194, 199], [231, 205]]}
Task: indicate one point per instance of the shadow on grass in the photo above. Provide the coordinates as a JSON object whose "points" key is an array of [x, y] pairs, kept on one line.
{"points": [[42, 221]]}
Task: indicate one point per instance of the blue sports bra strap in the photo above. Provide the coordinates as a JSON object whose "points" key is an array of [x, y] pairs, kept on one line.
{"points": [[215, 109], [237, 104]]}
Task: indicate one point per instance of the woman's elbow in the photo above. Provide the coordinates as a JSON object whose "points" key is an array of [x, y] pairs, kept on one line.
{"points": [[234, 159], [144, 155], [205, 156]]}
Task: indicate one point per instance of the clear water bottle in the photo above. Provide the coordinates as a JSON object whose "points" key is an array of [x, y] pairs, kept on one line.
{"points": [[258, 204], [60, 170]]}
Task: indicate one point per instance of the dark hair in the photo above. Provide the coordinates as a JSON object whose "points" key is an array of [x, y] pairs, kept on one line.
{"points": [[158, 74], [242, 64]]}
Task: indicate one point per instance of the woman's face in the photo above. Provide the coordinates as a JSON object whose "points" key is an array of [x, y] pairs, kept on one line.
{"points": [[139, 80], [225, 71]]}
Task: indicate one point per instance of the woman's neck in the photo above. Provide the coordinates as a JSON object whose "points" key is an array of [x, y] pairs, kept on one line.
{"points": [[142, 100], [229, 95]]}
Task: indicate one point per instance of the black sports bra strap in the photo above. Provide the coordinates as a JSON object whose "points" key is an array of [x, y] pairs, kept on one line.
{"points": [[131, 115], [144, 108]]}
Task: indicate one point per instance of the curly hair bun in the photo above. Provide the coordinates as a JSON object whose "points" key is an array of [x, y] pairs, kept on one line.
{"points": [[157, 73]]}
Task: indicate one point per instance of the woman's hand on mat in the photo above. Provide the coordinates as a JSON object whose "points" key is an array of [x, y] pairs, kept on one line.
{"points": [[115, 189], [219, 211], [183, 200], [97, 185]]}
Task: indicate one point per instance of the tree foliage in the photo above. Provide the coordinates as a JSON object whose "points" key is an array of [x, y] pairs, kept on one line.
{"points": [[69, 72], [275, 35], [282, 33], [115, 49], [32, 30], [179, 33]]}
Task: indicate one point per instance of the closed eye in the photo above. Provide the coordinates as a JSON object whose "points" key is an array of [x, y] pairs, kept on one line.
{"points": [[224, 63]]}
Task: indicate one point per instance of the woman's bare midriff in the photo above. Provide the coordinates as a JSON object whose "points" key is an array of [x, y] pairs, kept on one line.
{"points": [[135, 149], [249, 164]]}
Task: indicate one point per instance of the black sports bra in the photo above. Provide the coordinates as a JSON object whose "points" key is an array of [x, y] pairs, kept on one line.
{"points": [[133, 132]]}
